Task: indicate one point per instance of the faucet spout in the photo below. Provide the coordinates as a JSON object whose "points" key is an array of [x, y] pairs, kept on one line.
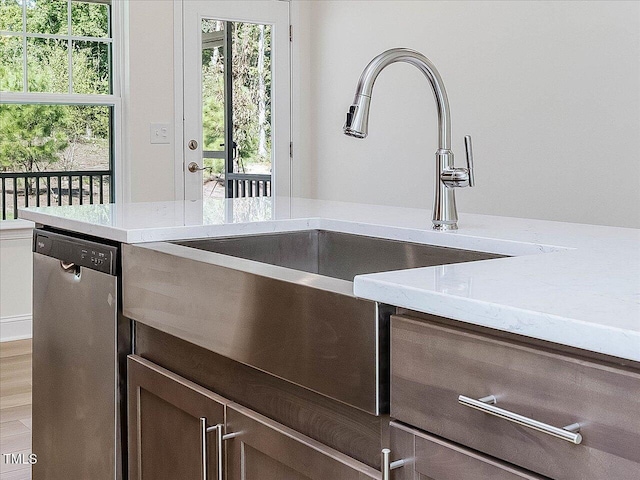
{"points": [[445, 216], [364, 90]]}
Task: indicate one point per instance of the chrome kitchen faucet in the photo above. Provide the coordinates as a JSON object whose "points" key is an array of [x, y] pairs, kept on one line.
{"points": [[445, 215]]}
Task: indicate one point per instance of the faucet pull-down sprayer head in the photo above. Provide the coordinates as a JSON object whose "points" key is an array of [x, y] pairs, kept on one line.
{"points": [[445, 215], [357, 124]]}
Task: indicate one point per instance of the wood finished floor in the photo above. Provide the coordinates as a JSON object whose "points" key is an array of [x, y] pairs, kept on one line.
{"points": [[15, 407]]}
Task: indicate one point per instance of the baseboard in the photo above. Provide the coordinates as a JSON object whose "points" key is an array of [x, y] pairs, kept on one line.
{"points": [[15, 327]]}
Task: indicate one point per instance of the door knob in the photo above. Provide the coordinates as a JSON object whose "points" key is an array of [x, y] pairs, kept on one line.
{"points": [[193, 167], [192, 144]]}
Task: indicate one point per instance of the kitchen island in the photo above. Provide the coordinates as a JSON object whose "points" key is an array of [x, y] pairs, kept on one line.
{"points": [[562, 310], [572, 284]]}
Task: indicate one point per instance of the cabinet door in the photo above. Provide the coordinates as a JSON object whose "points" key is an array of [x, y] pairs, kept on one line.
{"points": [[432, 458], [261, 449], [165, 439]]}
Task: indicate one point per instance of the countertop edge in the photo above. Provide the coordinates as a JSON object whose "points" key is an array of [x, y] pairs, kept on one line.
{"points": [[607, 340]]}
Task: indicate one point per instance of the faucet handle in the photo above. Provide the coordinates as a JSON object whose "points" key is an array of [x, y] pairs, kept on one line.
{"points": [[457, 177], [469, 150]]}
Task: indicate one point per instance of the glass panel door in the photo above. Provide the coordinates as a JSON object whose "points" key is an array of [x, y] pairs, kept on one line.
{"points": [[236, 99], [236, 108]]}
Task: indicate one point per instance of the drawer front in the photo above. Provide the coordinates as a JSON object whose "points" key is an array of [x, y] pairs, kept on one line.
{"points": [[437, 459], [432, 365]]}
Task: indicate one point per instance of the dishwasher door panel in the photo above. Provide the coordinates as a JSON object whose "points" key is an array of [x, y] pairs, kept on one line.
{"points": [[75, 417]]}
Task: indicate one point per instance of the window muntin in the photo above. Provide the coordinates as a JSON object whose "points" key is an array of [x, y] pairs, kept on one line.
{"points": [[56, 37]]}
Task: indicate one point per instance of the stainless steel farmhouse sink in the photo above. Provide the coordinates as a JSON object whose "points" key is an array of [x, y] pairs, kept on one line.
{"points": [[282, 303], [334, 254]]}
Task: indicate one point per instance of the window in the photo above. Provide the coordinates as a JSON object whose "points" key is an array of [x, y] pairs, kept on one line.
{"points": [[57, 103]]}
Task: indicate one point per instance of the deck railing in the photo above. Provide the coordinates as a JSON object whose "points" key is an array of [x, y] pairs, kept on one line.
{"points": [[248, 185], [29, 189]]}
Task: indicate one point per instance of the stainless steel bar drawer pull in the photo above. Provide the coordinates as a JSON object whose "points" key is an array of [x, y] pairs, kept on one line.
{"points": [[388, 465], [203, 448], [570, 433]]}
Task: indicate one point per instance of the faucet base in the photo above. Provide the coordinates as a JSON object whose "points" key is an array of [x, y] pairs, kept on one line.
{"points": [[443, 227]]}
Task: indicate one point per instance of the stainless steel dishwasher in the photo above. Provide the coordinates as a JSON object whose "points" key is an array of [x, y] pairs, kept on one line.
{"points": [[79, 344]]}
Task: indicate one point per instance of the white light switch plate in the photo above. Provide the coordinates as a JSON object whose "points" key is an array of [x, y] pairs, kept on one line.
{"points": [[160, 133]]}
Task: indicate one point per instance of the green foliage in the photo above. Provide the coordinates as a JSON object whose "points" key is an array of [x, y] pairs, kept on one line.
{"points": [[90, 68], [89, 19], [249, 79], [214, 165], [47, 61], [29, 137], [213, 107], [10, 63], [10, 15], [47, 16], [246, 91], [213, 99], [34, 136]]}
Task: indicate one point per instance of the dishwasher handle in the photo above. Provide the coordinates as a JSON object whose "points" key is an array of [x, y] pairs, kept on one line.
{"points": [[71, 268], [68, 266]]}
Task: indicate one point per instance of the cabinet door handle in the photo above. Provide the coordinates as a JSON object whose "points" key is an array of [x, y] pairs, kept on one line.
{"points": [[203, 448], [488, 405], [388, 465]]}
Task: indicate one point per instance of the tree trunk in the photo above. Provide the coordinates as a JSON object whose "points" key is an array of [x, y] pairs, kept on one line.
{"points": [[262, 142]]}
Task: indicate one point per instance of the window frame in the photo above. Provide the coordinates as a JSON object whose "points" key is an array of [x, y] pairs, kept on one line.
{"points": [[114, 99]]}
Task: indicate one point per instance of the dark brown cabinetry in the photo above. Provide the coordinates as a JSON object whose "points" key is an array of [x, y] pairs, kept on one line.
{"points": [[166, 439], [261, 449], [164, 423], [434, 362], [432, 458], [343, 428], [542, 393]]}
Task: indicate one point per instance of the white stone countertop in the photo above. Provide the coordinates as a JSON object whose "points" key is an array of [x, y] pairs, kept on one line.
{"points": [[571, 284]]}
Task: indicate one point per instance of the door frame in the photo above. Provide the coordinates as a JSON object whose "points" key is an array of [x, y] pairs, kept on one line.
{"points": [[281, 185], [178, 96]]}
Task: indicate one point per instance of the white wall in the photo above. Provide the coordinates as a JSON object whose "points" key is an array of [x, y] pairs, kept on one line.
{"points": [[550, 92], [149, 99]]}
